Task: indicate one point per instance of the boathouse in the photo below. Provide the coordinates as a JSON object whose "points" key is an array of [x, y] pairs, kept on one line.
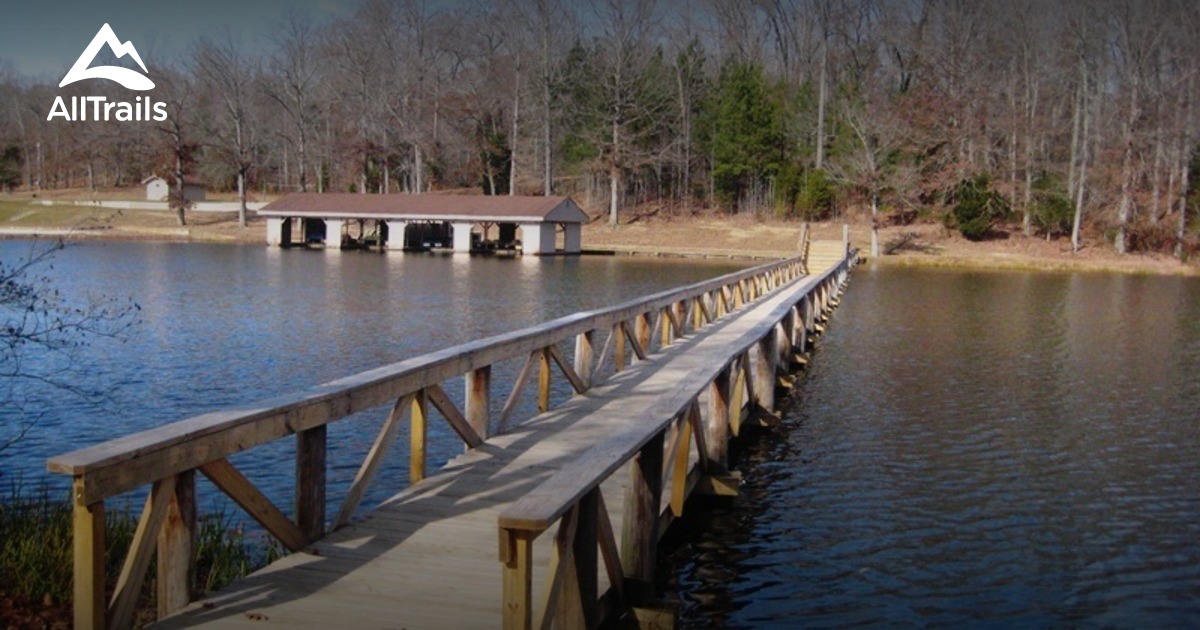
{"points": [[460, 223]]}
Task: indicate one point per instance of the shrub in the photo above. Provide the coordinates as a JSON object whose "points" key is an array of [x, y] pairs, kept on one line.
{"points": [[977, 207], [816, 197], [1051, 210], [1052, 213], [35, 546]]}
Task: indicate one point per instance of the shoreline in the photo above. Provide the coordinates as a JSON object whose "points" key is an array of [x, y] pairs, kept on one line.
{"points": [[737, 237]]}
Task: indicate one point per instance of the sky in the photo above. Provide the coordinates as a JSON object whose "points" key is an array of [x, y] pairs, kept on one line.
{"points": [[40, 39]]}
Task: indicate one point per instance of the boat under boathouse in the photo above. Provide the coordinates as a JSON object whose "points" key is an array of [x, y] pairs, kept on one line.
{"points": [[459, 223]]}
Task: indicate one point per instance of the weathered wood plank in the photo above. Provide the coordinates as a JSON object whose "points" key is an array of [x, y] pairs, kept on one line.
{"points": [[177, 547], [310, 482], [375, 456], [517, 580], [576, 382], [479, 400], [87, 525], [418, 436], [450, 412], [231, 481], [515, 395], [141, 551]]}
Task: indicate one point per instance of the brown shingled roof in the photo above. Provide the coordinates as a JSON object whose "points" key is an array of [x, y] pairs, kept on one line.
{"points": [[426, 206]]}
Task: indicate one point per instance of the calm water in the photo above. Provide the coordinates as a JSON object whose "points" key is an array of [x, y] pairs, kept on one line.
{"points": [[223, 325], [972, 450]]}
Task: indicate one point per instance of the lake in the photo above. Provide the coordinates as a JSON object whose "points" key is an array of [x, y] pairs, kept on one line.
{"points": [[971, 450], [966, 449]]}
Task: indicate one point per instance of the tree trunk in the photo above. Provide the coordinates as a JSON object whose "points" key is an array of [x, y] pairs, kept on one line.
{"points": [[1188, 135], [1031, 95], [1083, 158], [512, 142], [1076, 121], [418, 166], [874, 225], [547, 175], [614, 187], [241, 184], [820, 162], [1125, 208]]}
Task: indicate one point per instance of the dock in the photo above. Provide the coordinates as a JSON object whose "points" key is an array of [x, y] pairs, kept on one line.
{"points": [[551, 520]]}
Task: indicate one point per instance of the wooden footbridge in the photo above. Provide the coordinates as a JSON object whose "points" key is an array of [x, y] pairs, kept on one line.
{"points": [[551, 521]]}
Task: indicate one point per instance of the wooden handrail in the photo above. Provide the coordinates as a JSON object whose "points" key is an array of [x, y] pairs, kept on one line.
{"points": [[120, 465], [545, 504], [571, 496], [169, 456]]}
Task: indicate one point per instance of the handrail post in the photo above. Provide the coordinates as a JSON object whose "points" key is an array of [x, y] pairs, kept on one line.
{"points": [[177, 547], [418, 430], [479, 398], [88, 556], [639, 540], [642, 331], [585, 348], [516, 547], [543, 400], [310, 482]]}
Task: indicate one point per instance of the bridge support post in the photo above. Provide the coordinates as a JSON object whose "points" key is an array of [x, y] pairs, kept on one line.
{"points": [[716, 430], [639, 540], [576, 608], [764, 372]]}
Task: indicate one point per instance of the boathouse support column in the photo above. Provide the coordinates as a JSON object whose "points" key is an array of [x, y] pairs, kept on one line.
{"points": [[572, 238], [279, 232], [395, 240], [462, 237], [333, 233], [538, 238]]}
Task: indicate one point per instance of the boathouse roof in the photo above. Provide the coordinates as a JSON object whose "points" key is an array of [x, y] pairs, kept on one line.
{"points": [[428, 207]]}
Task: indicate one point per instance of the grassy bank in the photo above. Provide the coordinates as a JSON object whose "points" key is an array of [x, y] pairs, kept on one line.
{"points": [[702, 234], [35, 555]]}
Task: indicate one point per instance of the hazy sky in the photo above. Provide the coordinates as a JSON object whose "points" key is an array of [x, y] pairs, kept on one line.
{"points": [[42, 38]]}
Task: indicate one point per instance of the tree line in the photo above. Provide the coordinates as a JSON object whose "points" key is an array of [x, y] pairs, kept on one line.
{"points": [[1073, 118]]}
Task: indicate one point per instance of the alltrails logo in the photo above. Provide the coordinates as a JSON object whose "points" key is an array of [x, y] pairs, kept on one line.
{"points": [[142, 109]]}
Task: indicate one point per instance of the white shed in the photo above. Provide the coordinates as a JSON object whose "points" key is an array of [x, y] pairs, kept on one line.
{"points": [[158, 189]]}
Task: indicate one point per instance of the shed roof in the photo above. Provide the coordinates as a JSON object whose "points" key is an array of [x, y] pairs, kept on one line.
{"points": [[428, 207]]}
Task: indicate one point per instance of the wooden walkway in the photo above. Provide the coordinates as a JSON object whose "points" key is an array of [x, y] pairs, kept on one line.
{"points": [[431, 556]]}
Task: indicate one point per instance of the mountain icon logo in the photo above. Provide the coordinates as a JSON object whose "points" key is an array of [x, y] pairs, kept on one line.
{"points": [[129, 78]]}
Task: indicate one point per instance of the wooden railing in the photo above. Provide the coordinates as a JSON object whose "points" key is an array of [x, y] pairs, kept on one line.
{"points": [[167, 458], [657, 453]]}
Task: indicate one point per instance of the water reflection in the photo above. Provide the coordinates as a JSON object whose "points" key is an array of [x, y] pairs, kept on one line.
{"points": [[973, 449]]}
